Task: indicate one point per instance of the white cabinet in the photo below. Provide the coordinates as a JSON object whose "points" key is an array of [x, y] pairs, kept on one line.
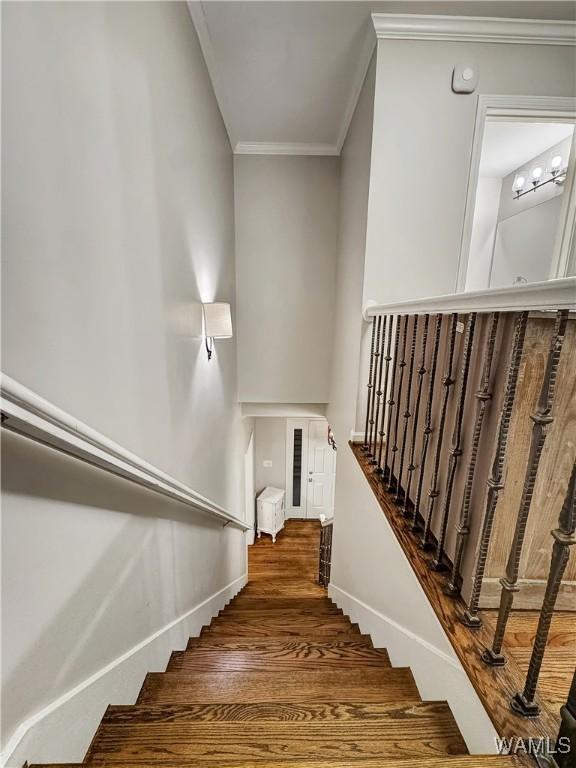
{"points": [[270, 505]]}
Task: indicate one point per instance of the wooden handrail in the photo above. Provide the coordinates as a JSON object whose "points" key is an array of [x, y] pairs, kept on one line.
{"points": [[26, 413]]}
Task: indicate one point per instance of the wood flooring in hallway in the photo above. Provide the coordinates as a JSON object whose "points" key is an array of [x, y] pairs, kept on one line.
{"points": [[281, 678]]}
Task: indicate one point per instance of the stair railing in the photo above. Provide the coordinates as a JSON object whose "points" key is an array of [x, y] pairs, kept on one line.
{"points": [[479, 342], [325, 559]]}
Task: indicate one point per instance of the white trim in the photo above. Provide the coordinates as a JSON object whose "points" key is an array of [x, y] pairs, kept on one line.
{"points": [[231, 589], [357, 437], [285, 410], [476, 29], [453, 661], [361, 70], [509, 107], [291, 425], [196, 10], [284, 148], [547, 296], [29, 414]]}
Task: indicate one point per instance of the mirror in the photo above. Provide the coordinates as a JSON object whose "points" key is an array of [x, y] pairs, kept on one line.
{"points": [[520, 208]]}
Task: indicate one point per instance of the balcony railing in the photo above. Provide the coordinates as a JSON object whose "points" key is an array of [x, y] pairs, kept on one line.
{"points": [[470, 431]]}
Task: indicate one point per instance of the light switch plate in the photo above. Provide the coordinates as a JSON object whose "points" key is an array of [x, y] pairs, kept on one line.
{"points": [[267, 463], [465, 78]]}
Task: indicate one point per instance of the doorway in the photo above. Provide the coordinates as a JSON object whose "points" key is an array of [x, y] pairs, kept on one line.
{"points": [[310, 469], [520, 220]]}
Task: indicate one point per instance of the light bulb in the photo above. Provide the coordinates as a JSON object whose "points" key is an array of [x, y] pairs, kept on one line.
{"points": [[537, 173], [519, 182], [556, 162]]}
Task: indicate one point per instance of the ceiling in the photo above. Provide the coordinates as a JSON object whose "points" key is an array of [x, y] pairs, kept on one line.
{"points": [[507, 146], [287, 75]]}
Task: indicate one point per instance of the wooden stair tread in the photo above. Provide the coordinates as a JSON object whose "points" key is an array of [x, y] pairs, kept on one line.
{"points": [[446, 761], [281, 625], [407, 732], [318, 711], [282, 678], [388, 684], [281, 656], [243, 643]]}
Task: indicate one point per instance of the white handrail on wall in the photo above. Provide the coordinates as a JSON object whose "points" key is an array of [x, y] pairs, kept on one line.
{"points": [[27, 413], [545, 296]]}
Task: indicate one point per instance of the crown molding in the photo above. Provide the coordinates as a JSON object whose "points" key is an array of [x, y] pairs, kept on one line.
{"points": [[196, 10], [477, 29], [362, 68], [284, 148]]}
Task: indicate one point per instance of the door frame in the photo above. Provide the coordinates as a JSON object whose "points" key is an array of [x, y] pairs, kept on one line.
{"points": [[249, 490], [510, 108], [291, 425]]}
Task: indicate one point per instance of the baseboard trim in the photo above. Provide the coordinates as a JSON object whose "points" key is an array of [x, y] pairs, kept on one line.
{"points": [[219, 599], [335, 592]]}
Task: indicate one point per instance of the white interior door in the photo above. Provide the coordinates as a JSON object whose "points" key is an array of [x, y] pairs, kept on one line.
{"points": [[320, 479]]}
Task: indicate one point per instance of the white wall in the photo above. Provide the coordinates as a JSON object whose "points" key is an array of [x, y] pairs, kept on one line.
{"points": [[373, 582], [524, 245], [118, 213], [421, 153], [348, 323], [270, 446], [483, 233], [286, 239]]}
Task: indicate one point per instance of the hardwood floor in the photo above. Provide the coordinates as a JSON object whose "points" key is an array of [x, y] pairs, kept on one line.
{"points": [[282, 678]]}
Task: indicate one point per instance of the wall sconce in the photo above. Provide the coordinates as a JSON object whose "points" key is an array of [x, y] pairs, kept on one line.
{"points": [[217, 323]]}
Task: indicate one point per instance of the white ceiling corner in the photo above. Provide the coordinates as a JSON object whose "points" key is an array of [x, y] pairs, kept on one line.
{"points": [[293, 95]]}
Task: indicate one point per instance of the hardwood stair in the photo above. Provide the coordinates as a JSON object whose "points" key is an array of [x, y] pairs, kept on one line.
{"points": [[281, 678]]}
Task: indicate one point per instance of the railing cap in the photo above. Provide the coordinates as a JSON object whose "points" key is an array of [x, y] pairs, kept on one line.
{"points": [[546, 296]]}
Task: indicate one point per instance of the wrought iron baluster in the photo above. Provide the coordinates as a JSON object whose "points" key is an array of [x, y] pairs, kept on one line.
{"points": [[447, 383], [369, 385], [483, 396], [495, 482], [325, 553], [391, 402], [421, 371], [387, 359], [407, 414], [374, 450], [456, 448], [374, 383], [401, 365], [564, 537], [427, 420], [542, 419]]}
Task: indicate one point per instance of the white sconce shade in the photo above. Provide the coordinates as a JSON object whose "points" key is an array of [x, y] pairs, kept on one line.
{"points": [[217, 323], [519, 182], [537, 173], [556, 163], [218, 320]]}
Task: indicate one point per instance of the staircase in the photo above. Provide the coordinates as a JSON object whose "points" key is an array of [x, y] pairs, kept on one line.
{"points": [[282, 678]]}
